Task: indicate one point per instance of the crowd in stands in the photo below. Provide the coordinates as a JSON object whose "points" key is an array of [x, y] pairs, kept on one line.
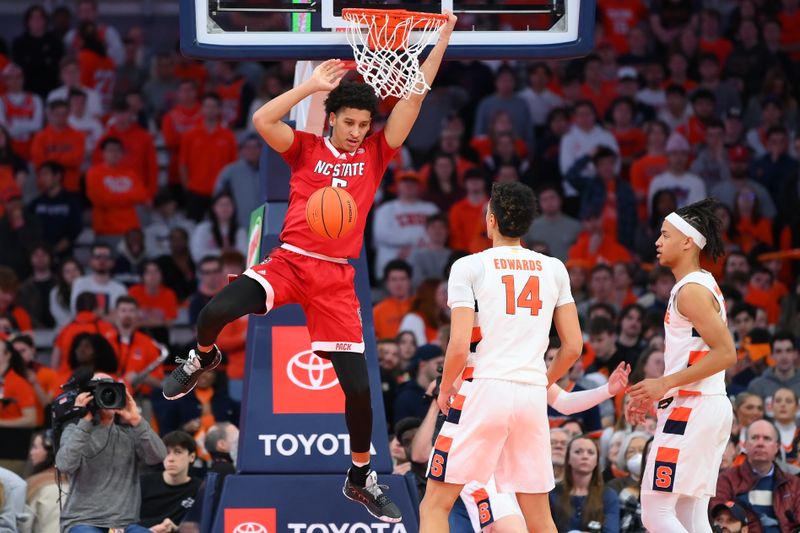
{"points": [[127, 176]]}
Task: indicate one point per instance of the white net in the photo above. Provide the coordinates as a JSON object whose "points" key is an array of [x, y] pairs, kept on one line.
{"points": [[385, 56]]}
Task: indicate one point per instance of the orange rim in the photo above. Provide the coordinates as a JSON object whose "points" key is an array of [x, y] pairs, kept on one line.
{"points": [[781, 255], [378, 19]]}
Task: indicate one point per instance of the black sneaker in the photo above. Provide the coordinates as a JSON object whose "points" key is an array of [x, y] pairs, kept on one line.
{"points": [[372, 497], [183, 379]]}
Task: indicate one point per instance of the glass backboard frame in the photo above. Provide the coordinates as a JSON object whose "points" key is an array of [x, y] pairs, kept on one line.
{"points": [[198, 42]]}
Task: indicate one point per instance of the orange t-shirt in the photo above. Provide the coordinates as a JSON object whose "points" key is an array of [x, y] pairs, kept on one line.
{"points": [[750, 234], [387, 316], [790, 30], [139, 154], [18, 389], [632, 142], [193, 71], [97, 72], [232, 341], [482, 144], [175, 123], [204, 153], [720, 47], [643, 170], [602, 97], [694, 131], [85, 322], [466, 222], [609, 213], [114, 193], [688, 84], [22, 318], [47, 379], [135, 355], [231, 95], [618, 17], [609, 251], [769, 301], [164, 300], [66, 147]]}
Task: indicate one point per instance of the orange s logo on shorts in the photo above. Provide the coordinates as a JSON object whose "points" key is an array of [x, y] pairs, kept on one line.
{"points": [[251, 521], [302, 382], [665, 468]]}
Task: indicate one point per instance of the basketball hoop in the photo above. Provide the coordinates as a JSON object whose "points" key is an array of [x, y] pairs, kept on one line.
{"points": [[384, 55]]}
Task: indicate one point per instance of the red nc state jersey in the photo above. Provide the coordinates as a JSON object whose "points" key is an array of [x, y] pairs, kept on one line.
{"points": [[316, 163]]}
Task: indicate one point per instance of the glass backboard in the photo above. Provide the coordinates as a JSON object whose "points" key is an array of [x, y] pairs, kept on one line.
{"points": [[312, 29]]}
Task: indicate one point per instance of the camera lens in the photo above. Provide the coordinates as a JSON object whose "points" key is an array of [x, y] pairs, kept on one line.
{"points": [[108, 396]]}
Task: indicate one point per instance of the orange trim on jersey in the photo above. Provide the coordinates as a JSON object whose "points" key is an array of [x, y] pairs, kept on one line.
{"points": [[667, 455], [680, 414], [458, 402], [480, 495], [468, 373], [683, 392], [696, 355], [443, 443]]}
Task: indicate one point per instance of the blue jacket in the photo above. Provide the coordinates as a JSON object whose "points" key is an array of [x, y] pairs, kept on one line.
{"points": [[593, 198]]}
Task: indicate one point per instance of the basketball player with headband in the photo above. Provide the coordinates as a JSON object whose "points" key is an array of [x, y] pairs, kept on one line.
{"points": [[694, 413], [313, 271]]}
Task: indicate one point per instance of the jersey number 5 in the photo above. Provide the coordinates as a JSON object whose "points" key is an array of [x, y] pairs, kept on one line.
{"points": [[528, 297]]}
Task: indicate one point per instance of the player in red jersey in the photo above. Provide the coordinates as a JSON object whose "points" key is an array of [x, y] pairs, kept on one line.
{"points": [[313, 271]]}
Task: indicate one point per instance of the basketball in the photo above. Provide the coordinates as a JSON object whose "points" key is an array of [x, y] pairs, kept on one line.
{"points": [[331, 212]]}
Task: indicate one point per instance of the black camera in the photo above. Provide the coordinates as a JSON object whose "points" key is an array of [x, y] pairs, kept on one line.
{"points": [[107, 394]]}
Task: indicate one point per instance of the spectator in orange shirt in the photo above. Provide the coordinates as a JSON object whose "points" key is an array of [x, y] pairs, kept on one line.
{"points": [[135, 350], [60, 143], [710, 39], [618, 18], [388, 314], [86, 321], [177, 121], [18, 400], [765, 292], [500, 122], [114, 191], [751, 225], [43, 379], [158, 305], [138, 145], [90, 351], [97, 69], [235, 92], [20, 111], [595, 246], [703, 106], [205, 150], [594, 88], [465, 215], [678, 66], [630, 138], [9, 284], [651, 164]]}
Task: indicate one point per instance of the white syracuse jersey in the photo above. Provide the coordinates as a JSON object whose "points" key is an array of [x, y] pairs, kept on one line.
{"points": [[515, 291], [684, 346]]}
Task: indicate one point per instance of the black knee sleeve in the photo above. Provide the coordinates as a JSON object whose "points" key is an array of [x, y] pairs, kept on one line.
{"points": [[241, 297], [351, 370]]}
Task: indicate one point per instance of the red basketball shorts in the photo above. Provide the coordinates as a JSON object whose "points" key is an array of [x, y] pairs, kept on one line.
{"points": [[324, 289]]}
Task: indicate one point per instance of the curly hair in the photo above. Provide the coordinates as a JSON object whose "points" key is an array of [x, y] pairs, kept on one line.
{"points": [[702, 218], [514, 207], [353, 95]]}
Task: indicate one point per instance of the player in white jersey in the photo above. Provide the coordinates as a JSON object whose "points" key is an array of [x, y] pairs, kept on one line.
{"points": [[694, 413], [497, 419], [498, 512]]}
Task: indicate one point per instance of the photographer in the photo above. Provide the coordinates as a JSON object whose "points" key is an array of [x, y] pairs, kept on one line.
{"points": [[101, 457]]}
